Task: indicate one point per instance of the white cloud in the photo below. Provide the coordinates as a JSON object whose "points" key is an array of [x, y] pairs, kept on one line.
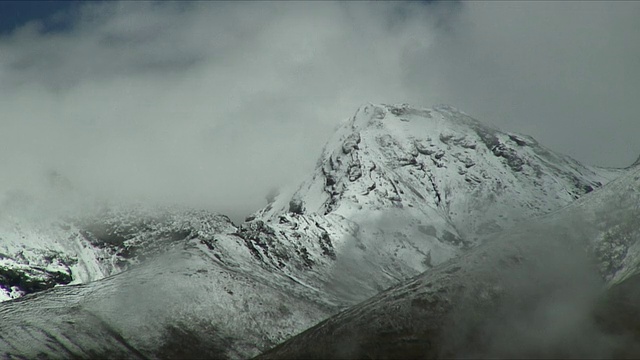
{"points": [[209, 102], [567, 73], [215, 103]]}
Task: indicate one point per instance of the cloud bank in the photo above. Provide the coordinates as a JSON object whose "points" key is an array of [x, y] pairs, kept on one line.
{"points": [[214, 104]]}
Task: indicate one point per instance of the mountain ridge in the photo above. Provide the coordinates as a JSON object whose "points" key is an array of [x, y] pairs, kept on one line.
{"points": [[561, 286], [388, 168], [440, 177]]}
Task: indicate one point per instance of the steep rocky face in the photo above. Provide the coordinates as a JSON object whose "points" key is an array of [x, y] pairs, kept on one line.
{"points": [[418, 186], [439, 161]]}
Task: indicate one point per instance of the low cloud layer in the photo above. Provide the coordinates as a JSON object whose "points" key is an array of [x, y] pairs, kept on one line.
{"points": [[216, 103], [566, 73]]}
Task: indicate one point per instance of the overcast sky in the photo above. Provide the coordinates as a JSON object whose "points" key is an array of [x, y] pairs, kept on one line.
{"points": [[216, 103]]}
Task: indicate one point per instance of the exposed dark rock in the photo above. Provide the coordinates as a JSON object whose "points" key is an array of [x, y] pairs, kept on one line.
{"points": [[296, 206], [451, 238], [351, 143], [330, 180], [468, 163], [488, 137], [355, 172], [612, 251], [306, 258], [408, 161], [327, 246], [397, 111], [518, 140], [32, 279], [510, 155], [435, 188]]}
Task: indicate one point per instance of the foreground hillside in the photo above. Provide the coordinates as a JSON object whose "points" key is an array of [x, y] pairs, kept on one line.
{"points": [[563, 286]]}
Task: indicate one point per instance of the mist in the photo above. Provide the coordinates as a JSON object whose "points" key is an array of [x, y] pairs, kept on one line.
{"points": [[545, 300], [215, 104]]}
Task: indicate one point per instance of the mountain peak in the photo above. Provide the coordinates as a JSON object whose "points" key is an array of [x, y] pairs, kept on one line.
{"points": [[372, 114], [437, 161]]}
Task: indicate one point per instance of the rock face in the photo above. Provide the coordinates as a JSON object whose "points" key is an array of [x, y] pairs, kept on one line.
{"points": [[397, 192], [401, 189], [440, 159]]}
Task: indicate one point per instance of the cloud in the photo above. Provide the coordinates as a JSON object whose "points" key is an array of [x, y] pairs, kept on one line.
{"points": [[545, 299], [564, 72], [210, 102], [215, 103]]}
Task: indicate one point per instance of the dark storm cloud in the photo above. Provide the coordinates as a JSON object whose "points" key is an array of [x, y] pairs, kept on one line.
{"points": [[216, 103]]}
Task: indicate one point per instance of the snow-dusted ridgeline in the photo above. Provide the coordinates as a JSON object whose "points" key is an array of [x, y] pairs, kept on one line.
{"points": [[397, 191]]}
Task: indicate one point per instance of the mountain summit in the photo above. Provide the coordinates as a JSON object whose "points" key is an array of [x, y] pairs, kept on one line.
{"points": [[440, 162], [418, 186], [397, 190]]}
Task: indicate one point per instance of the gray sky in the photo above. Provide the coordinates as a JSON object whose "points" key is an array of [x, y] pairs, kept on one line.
{"points": [[215, 103]]}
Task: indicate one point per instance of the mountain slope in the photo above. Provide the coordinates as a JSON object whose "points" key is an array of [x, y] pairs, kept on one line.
{"points": [[564, 286], [39, 252], [397, 191], [442, 159], [184, 303], [417, 187]]}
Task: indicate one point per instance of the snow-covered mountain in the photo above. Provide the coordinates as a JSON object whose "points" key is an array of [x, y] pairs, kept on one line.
{"points": [[39, 252], [564, 285], [184, 303], [478, 178], [397, 191]]}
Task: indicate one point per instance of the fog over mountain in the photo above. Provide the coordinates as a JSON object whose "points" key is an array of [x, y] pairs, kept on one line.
{"points": [[217, 103], [320, 180], [399, 193]]}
